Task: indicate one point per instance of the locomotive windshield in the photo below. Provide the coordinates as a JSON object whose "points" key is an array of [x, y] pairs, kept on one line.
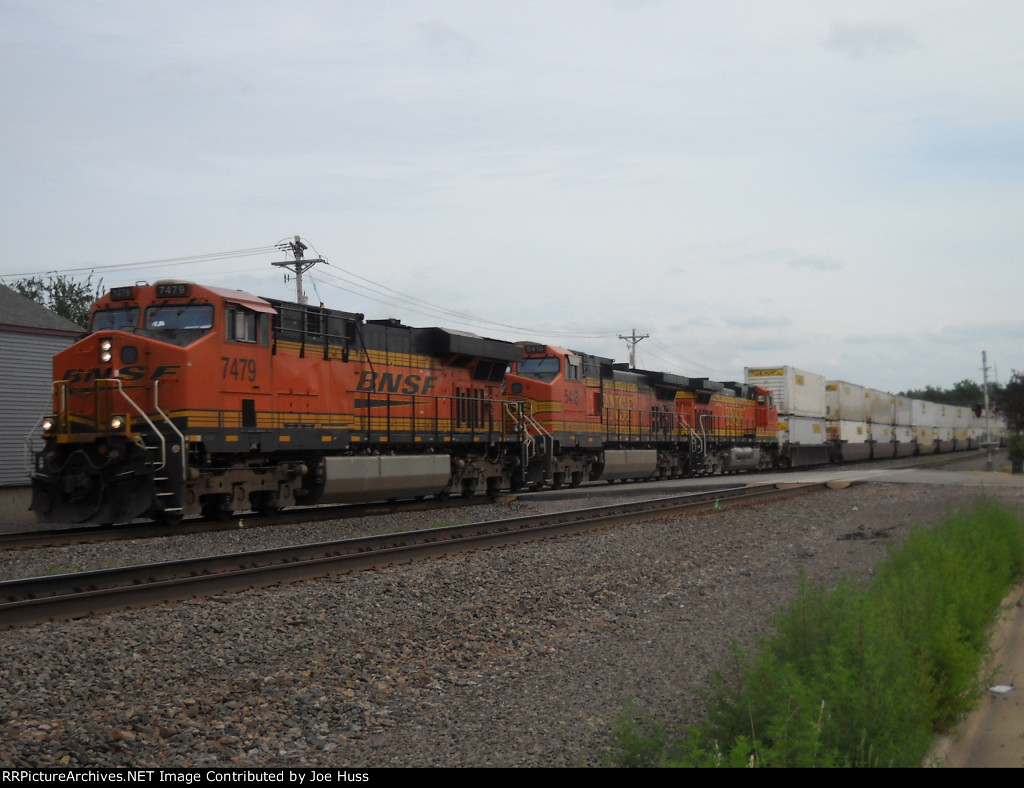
{"points": [[196, 316], [180, 324], [539, 368], [125, 319]]}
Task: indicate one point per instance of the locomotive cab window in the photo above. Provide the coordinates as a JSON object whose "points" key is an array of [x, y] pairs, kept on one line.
{"points": [[126, 319], [244, 325], [180, 324], [573, 368], [546, 368]]}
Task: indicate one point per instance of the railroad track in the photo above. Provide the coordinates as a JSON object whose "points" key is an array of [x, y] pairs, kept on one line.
{"points": [[95, 534], [98, 534], [57, 597]]}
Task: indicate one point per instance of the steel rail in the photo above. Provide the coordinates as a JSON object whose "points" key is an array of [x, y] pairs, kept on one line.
{"points": [[96, 534]]}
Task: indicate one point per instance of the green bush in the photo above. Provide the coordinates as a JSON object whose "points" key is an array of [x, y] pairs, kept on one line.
{"points": [[855, 677]]}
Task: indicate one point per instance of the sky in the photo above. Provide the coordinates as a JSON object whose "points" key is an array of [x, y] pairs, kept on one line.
{"points": [[829, 184]]}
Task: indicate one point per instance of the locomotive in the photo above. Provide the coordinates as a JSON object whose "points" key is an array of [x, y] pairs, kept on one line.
{"points": [[594, 419], [184, 399], [187, 400]]}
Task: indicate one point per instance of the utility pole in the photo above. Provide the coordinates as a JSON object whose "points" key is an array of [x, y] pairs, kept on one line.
{"points": [[300, 265], [988, 437], [631, 340]]}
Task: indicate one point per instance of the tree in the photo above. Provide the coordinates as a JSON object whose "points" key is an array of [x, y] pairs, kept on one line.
{"points": [[62, 294], [1013, 401], [966, 393]]}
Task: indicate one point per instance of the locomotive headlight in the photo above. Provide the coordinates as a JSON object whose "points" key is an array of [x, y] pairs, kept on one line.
{"points": [[116, 423], [49, 423], [106, 351]]}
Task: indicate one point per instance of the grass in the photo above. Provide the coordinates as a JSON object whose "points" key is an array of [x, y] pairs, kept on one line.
{"points": [[855, 676]]}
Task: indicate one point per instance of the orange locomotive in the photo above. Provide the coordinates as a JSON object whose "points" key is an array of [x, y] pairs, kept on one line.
{"points": [[587, 418], [185, 399]]}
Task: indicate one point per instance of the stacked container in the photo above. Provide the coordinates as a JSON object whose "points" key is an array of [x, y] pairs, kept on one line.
{"points": [[904, 426], [800, 399], [880, 407], [848, 429]]}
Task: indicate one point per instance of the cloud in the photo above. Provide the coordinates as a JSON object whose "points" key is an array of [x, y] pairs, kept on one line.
{"points": [[444, 37], [816, 263], [868, 39]]}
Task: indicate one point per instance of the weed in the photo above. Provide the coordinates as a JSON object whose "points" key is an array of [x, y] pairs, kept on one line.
{"points": [[851, 676]]}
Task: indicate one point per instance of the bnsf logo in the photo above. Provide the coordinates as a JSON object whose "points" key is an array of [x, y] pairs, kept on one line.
{"points": [[394, 383], [132, 372]]}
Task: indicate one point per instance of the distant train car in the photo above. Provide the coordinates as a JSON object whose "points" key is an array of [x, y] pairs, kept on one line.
{"points": [[801, 399], [822, 421]]}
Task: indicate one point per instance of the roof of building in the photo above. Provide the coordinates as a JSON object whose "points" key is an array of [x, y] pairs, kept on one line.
{"points": [[18, 312]]}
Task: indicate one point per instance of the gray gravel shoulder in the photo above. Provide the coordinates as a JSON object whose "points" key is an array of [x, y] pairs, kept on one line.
{"points": [[508, 657]]}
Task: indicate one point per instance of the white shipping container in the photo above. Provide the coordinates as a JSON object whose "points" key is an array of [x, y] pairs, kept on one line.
{"points": [[844, 401], [882, 433], [795, 391], [803, 430], [924, 414], [880, 406], [903, 411], [903, 434], [925, 437], [850, 431]]}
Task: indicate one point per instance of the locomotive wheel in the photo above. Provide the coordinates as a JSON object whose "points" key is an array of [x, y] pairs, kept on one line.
{"points": [[168, 518], [266, 503], [218, 507]]}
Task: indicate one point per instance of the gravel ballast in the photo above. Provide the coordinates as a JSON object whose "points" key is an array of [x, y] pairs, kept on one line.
{"points": [[518, 656]]}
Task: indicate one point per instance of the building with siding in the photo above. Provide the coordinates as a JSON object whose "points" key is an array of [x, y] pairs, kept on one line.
{"points": [[30, 335]]}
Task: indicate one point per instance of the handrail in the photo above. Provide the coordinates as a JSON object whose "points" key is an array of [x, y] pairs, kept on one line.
{"points": [[173, 426], [697, 440], [29, 454], [159, 435], [516, 409]]}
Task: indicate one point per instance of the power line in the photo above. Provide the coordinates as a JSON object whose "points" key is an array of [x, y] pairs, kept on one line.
{"points": [[372, 290], [681, 360], [390, 296], [164, 263]]}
